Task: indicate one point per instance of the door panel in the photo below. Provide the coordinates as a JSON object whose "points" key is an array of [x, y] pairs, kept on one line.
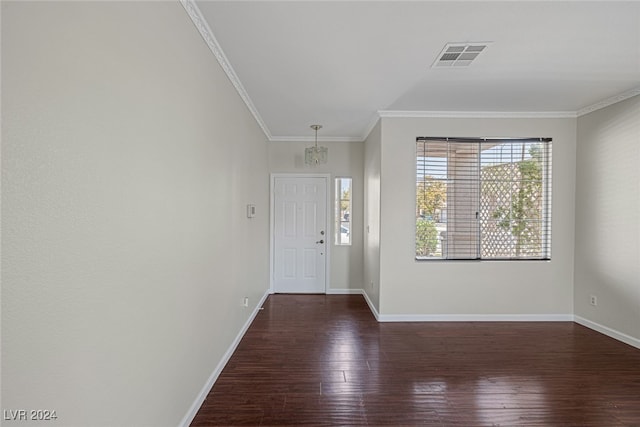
{"points": [[300, 235]]}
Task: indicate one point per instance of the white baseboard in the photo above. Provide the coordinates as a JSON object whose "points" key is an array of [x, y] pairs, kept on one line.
{"points": [[475, 318], [357, 292], [344, 291], [193, 410], [627, 339], [463, 317], [370, 304]]}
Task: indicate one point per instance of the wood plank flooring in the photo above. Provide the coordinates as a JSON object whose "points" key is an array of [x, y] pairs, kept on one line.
{"points": [[324, 360]]}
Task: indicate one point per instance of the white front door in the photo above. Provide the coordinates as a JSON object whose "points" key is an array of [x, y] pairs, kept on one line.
{"points": [[300, 234]]}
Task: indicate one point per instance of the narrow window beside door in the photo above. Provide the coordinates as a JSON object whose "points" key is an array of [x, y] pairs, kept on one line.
{"points": [[343, 211], [481, 198]]}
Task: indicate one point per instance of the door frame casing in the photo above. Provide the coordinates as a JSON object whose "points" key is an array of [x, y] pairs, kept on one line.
{"points": [[328, 226]]}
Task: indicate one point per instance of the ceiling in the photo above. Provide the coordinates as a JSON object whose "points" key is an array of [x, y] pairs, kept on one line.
{"points": [[341, 63]]}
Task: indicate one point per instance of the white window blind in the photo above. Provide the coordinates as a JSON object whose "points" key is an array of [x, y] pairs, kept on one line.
{"points": [[483, 198]]}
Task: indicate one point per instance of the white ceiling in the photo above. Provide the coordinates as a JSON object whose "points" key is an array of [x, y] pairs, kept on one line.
{"points": [[338, 63]]}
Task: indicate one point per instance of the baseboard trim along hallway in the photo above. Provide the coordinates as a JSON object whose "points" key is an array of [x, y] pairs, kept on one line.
{"points": [[193, 410]]}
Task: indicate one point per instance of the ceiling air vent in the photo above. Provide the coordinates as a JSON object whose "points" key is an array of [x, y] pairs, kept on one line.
{"points": [[459, 54]]}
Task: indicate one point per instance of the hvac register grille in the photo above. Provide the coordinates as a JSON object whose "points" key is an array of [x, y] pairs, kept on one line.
{"points": [[459, 54]]}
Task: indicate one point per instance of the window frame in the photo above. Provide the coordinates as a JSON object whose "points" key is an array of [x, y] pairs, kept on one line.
{"points": [[338, 216], [426, 177]]}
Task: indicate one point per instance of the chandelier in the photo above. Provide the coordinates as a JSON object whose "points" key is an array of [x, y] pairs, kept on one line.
{"points": [[315, 155]]}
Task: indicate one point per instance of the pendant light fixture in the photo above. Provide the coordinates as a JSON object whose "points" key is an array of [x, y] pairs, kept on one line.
{"points": [[316, 155]]}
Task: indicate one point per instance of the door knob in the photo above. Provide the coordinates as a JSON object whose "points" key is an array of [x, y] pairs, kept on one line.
{"points": [[320, 241]]}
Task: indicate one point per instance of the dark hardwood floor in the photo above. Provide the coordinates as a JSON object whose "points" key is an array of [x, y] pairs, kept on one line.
{"points": [[324, 360]]}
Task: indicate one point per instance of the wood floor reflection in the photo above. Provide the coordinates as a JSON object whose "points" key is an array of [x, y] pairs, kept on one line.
{"points": [[324, 360]]}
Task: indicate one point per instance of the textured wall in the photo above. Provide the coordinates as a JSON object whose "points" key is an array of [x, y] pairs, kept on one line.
{"points": [[410, 287], [127, 162], [372, 215], [607, 263]]}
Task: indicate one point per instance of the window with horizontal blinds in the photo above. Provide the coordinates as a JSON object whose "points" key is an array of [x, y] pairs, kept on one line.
{"points": [[483, 198]]}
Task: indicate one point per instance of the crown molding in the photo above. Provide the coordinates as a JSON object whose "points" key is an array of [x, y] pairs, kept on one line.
{"points": [[312, 139], [479, 114], [372, 124], [609, 101], [205, 31], [203, 28]]}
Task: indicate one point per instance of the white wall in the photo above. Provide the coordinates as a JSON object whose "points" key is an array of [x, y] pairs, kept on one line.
{"points": [[127, 162], [345, 160], [372, 216], [410, 287], [607, 258]]}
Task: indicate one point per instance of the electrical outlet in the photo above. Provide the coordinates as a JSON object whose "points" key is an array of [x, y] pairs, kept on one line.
{"points": [[593, 300], [245, 302]]}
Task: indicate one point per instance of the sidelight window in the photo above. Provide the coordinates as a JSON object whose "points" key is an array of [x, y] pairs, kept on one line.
{"points": [[343, 211]]}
